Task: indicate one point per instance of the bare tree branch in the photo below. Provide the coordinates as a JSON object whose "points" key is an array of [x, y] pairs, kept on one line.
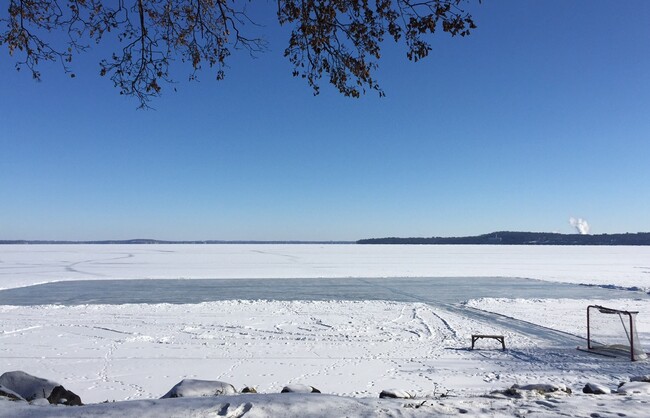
{"points": [[338, 39]]}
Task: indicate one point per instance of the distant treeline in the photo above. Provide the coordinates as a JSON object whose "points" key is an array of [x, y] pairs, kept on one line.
{"points": [[524, 238], [495, 238], [156, 241]]}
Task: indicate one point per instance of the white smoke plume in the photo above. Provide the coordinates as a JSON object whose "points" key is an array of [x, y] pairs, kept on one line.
{"points": [[580, 225]]}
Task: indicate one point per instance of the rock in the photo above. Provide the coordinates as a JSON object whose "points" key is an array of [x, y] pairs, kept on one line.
{"points": [[27, 386], [396, 394], [8, 393], [642, 378], [60, 395], [544, 388], [511, 392], [634, 387], [299, 389], [249, 389], [192, 388], [596, 389], [520, 391]]}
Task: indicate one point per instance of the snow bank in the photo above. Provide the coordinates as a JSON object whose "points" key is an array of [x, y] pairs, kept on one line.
{"points": [[531, 403]]}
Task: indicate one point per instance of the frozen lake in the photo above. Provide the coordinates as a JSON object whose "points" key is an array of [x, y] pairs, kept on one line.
{"points": [[121, 322], [25, 265], [429, 290]]}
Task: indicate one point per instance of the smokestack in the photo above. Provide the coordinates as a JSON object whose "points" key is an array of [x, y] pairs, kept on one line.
{"points": [[580, 225]]}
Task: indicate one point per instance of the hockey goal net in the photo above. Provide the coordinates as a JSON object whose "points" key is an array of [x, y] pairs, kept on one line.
{"points": [[613, 332]]}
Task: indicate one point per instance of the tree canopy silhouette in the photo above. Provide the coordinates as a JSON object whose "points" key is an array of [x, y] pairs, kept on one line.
{"points": [[336, 39]]}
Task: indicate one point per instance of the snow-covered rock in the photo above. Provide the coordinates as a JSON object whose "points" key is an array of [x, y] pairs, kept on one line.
{"points": [[641, 378], [395, 393], [192, 388], [27, 386], [634, 387], [8, 393], [596, 389], [524, 391], [297, 388], [543, 388]]}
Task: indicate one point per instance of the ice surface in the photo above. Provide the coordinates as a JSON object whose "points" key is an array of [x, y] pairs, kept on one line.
{"points": [[444, 290]]}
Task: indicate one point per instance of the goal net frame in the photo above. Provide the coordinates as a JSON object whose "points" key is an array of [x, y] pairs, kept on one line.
{"points": [[629, 339]]}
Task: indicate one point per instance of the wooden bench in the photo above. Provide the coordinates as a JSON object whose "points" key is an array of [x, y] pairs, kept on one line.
{"points": [[499, 338]]}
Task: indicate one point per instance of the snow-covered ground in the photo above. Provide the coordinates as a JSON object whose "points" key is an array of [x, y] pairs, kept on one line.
{"points": [[117, 352], [566, 315], [355, 349]]}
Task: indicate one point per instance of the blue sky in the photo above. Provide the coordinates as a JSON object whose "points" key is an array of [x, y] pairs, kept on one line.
{"points": [[540, 115]]}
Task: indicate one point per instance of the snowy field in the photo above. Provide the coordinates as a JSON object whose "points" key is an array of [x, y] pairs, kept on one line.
{"points": [[135, 353]]}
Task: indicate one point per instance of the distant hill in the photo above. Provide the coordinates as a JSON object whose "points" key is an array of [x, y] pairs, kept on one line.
{"points": [[524, 238]]}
